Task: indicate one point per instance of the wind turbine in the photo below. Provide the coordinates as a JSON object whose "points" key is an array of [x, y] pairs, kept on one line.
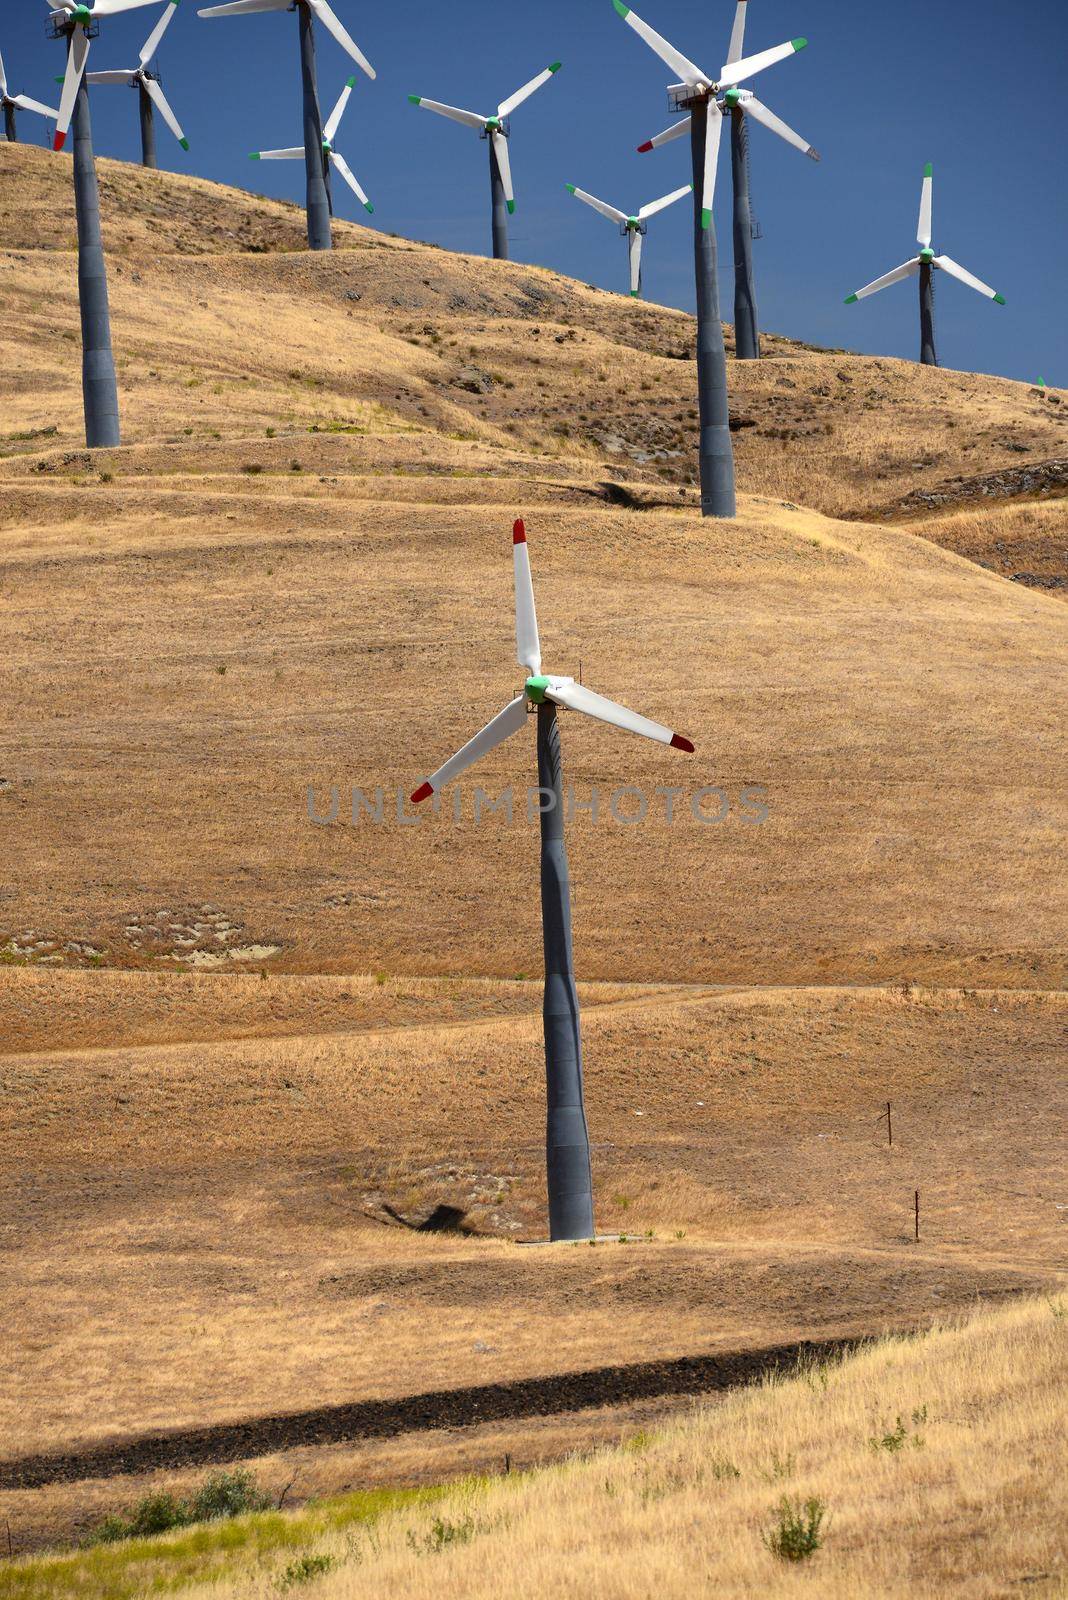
{"points": [[316, 166], [924, 264], [496, 132], [77, 24], [740, 104], [633, 227], [567, 1139], [150, 95], [697, 93], [330, 156], [18, 102]]}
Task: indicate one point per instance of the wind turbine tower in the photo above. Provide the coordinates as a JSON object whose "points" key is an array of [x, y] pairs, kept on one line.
{"points": [[316, 152], [567, 1150]]}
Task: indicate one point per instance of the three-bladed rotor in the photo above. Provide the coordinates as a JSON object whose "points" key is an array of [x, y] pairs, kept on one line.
{"points": [[632, 226], [926, 257], [538, 688], [141, 76], [494, 128], [336, 160]]}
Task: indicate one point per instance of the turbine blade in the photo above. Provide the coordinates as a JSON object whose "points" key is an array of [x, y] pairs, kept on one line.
{"points": [[470, 119], [923, 231], [77, 55], [343, 37], [335, 116], [505, 723], [665, 200], [350, 178], [113, 8], [576, 698], [506, 107], [686, 69], [736, 71], [24, 101], [634, 251], [676, 131], [713, 134], [234, 8], [527, 643], [3, 79], [500, 145], [908, 270], [294, 153], [151, 44], [159, 100], [737, 33], [598, 205], [756, 108], [958, 272], [110, 77]]}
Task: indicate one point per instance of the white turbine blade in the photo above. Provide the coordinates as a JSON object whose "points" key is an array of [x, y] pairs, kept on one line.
{"points": [[113, 8], [350, 178], [676, 131], [500, 145], [955, 271], [576, 698], [923, 232], [470, 119], [343, 37], [151, 44], [634, 252], [77, 55], [24, 101], [506, 107], [527, 643], [159, 100], [598, 205], [665, 200], [3, 80], [335, 116], [294, 153], [756, 108], [110, 77], [234, 8], [686, 69], [505, 723], [713, 133], [737, 33], [908, 270], [737, 71]]}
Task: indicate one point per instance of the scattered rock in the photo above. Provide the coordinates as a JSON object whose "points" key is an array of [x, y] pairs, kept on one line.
{"points": [[474, 380]]}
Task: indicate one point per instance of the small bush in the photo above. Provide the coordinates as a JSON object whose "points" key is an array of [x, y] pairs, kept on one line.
{"points": [[224, 1494], [252, 466], [442, 1534], [304, 1569], [796, 1532]]}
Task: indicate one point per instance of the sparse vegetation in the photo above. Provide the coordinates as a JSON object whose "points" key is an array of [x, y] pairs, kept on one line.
{"points": [[796, 1530], [223, 1495]]}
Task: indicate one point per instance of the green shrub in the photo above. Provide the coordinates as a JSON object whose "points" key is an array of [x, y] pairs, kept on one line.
{"points": [[442, 1534], [224, 1494], [228, 1494], [796, 1532], [305, 1569]]}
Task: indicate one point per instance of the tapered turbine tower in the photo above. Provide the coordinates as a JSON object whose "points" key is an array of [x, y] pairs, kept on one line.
{"points": [[150, 96], [924, 266], [77, 25], [496, 132], [633, 228], [18, 102], [567, 1138], [740, 104], [316, 164], [330, 157]]}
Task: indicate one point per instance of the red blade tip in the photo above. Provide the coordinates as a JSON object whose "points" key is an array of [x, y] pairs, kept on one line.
{"points": [[58, 141], [679, 743], [519, 532], [642, 148], [424, 791]]}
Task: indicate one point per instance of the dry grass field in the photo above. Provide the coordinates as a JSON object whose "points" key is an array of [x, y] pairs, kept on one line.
{"points": [[236, 1046]]}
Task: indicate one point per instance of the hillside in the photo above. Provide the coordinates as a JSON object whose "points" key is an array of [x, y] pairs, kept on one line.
{"points": [[243, 1057]]}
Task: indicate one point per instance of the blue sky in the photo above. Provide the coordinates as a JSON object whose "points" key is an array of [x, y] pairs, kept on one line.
{"points": [[881, 89]]}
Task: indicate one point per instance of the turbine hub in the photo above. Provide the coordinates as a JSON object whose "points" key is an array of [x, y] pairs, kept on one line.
{"points": [[927, 256], [732, 97], [535, 688]]}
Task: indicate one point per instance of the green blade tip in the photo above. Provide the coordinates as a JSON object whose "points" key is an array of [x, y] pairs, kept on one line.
{"points": [[799, 44], [623, 10], [851, 299], [999, 299], [415, 99], [511, 208], [368, 206], [634, 294], [350, 83], [254, 155], [928, 171], [570, 187], [706, 219], [183, 142], [554, 66]]}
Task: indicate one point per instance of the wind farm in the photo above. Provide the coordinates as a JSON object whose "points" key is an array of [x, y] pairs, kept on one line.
{"points": [[576, 1153]]}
